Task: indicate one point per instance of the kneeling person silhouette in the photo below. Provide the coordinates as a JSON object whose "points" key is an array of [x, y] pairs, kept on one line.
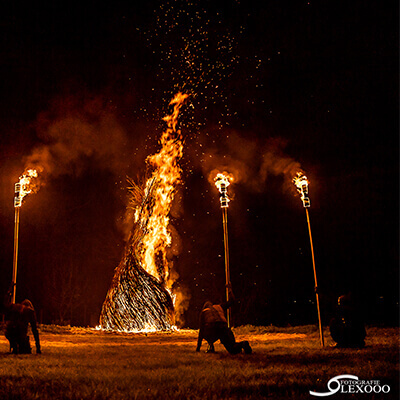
{"points": [[214, 326]]}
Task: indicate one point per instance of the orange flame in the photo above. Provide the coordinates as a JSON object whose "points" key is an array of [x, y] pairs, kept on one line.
{"points": [[301, 183], [221, 179], [166, 176], [24, 186]]}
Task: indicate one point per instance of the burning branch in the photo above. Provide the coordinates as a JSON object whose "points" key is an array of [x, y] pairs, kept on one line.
{"points": [[136, 301]]}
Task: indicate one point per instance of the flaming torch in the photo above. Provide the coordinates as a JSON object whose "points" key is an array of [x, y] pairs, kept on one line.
{"points": [[22, 188], [222, 181], [301, 183]]}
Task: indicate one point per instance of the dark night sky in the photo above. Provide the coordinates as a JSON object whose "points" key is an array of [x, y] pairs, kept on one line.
{"points": [[317, 81]]}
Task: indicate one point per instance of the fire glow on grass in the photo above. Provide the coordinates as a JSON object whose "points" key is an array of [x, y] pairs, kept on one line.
{"points": [[140, 295]]}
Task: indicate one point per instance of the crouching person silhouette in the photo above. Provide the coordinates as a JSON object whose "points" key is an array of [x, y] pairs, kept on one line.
{"points": [[18, 317], [347, 327], [214, 326]]}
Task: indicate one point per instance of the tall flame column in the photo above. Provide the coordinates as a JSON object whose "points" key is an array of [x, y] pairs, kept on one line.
{"points": [[301, 183], [222, 182]]}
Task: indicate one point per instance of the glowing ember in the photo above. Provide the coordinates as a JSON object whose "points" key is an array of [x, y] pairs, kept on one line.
{"points": [[24, 186], [140, 297], [301, 183]]}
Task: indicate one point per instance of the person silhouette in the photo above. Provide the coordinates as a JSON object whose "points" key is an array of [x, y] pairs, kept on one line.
{"points": [[347, 327], [18, 317], [214, 326]]}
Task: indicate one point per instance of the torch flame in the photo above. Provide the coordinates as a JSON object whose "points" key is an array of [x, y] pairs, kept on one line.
{"points": [[301, 183], [222, 181], [24, 186]]}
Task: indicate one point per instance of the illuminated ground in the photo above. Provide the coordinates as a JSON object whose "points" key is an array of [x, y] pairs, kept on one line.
{"points": [[286, 363]]}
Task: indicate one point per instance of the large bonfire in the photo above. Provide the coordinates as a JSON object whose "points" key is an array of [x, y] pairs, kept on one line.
{"points": [[140, 294]]}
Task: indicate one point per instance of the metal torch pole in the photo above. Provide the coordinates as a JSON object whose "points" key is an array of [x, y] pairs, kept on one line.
{"points": [[321, 334], [226, 250], [14, 275]]}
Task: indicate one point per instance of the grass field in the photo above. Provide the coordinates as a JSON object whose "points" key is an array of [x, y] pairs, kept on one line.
{"points": [[286, 364]]}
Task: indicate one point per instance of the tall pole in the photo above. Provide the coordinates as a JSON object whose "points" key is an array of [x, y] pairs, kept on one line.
{"points": [[222, 182], [321, 334], [301, 182], [22, 188], [15, 260], [226, 251]]}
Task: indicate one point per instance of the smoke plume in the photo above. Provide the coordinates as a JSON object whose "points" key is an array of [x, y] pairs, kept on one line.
{"points": [[250, 161], [276, 162], [74, 132]]}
